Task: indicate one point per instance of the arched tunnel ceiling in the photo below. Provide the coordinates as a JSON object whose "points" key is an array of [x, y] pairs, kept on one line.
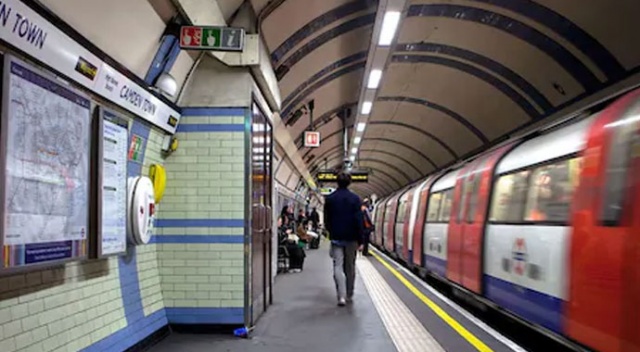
{"points": [[462, 73]]}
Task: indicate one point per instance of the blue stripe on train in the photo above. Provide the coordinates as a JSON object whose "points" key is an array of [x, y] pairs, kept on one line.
{"points": [[533, 306], [437, 265]]}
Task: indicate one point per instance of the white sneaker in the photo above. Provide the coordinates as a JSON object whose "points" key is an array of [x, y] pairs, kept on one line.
{"points": [[342, 302]]}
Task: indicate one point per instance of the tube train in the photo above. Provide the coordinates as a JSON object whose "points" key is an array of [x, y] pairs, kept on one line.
{"points": [[544, 227]]}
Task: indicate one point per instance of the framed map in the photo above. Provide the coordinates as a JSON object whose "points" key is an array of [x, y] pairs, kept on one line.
{"points": [[46, 148]]}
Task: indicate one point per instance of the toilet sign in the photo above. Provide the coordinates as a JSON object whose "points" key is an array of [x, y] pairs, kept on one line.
{"points": [[211, 38], [312, 139]]}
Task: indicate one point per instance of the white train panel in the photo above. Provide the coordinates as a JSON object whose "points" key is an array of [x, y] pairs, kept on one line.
{"points": [[445, 182], [565, 141], [535, 257], [435, 247], [526, 271]]}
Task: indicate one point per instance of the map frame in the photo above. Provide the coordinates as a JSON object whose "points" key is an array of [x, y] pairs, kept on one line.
{"points": [[79, 251]]}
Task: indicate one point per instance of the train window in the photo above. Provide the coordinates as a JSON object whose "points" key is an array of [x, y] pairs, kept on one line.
{"points": [[509, 197], [473, 197], [624, 145], [434, 207], [445, 207], [551, 191]]}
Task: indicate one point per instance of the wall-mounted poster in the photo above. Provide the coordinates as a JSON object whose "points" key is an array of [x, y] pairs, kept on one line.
{"points": [[46, 128], [112, 231]]}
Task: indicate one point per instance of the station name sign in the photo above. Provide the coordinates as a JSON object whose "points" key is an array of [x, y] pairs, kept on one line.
{"points": [[25, 29], [211, 38], [332, 176]]}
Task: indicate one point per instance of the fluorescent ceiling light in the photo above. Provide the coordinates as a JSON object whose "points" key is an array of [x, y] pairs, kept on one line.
{"points": [[361, 126], [374, 79], [357, 140], [352, 158], [366, 107], [389, 26], [354, 150]]}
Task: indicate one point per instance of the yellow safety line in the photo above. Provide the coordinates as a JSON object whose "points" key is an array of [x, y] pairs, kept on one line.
{"points": [[472, 339]]}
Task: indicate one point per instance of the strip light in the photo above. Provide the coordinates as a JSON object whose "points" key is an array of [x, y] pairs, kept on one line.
{"points": [[354, 150], [374, 79], [357, 140], [389, 27], [366, 107], [361, 126]]}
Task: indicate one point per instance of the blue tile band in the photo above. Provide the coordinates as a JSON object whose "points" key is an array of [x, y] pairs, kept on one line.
{"points": [[179, 239], [200, 223], [209, 111], [187, 128]]}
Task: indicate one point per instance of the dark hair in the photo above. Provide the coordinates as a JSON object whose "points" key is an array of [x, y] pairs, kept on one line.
{"points": [[344, 180]]}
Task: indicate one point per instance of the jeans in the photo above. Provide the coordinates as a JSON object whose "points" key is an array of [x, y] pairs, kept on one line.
{"points": [[344, 268]]}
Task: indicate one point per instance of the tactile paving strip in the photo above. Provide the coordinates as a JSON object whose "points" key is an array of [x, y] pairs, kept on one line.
{"points": [[407, 333]]}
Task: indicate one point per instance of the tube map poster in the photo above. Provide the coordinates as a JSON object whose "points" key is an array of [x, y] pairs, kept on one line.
{"points": [[48, 128]]}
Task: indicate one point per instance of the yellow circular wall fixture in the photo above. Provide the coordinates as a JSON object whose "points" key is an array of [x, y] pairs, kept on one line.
{"points": [[158, 176]]}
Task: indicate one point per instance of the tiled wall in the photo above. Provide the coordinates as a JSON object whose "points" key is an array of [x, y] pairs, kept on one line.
{"points": [[98, 305], [200, 234]]}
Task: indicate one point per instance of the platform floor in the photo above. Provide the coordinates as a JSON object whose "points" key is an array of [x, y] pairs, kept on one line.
{"points": [[392, 311]]}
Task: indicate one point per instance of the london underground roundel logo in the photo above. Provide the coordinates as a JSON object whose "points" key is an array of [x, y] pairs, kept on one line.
{"points": [[519, 256]]}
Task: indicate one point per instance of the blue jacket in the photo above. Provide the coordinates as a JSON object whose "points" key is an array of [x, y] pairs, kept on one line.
{"points": [[343, 217]]}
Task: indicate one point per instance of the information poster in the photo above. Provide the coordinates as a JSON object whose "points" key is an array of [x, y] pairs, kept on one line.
{"points": [[115, 137], [46, 134]]}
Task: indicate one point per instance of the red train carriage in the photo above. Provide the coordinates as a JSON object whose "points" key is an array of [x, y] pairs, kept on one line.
{"points": [[604, 260], [466, 226], [547, 230]]}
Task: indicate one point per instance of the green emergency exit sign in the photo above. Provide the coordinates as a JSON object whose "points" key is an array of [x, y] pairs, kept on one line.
{"points": [[211, 38]]}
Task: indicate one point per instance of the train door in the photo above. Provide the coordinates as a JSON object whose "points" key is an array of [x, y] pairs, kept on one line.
{"points": [[261, 191], [466, 236], [461, 192], [387, 226], [420, 201], [436, 225], [604, 291], [379, 221], [411, 215], [402, 222]]}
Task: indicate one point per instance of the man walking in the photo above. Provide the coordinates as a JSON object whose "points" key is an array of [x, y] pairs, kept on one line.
{"points": [[343, 220]]}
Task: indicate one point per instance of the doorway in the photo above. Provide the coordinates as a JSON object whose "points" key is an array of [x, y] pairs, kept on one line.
{"points": [[261, 212]]}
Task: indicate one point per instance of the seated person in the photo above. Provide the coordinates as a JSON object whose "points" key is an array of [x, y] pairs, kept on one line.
{"points": [[303, 232], [291, 241]]}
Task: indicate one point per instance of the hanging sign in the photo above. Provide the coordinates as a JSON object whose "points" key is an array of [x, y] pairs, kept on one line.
{"points": [[211, 38], [25, 29], [332, 176], [311, 139]]}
